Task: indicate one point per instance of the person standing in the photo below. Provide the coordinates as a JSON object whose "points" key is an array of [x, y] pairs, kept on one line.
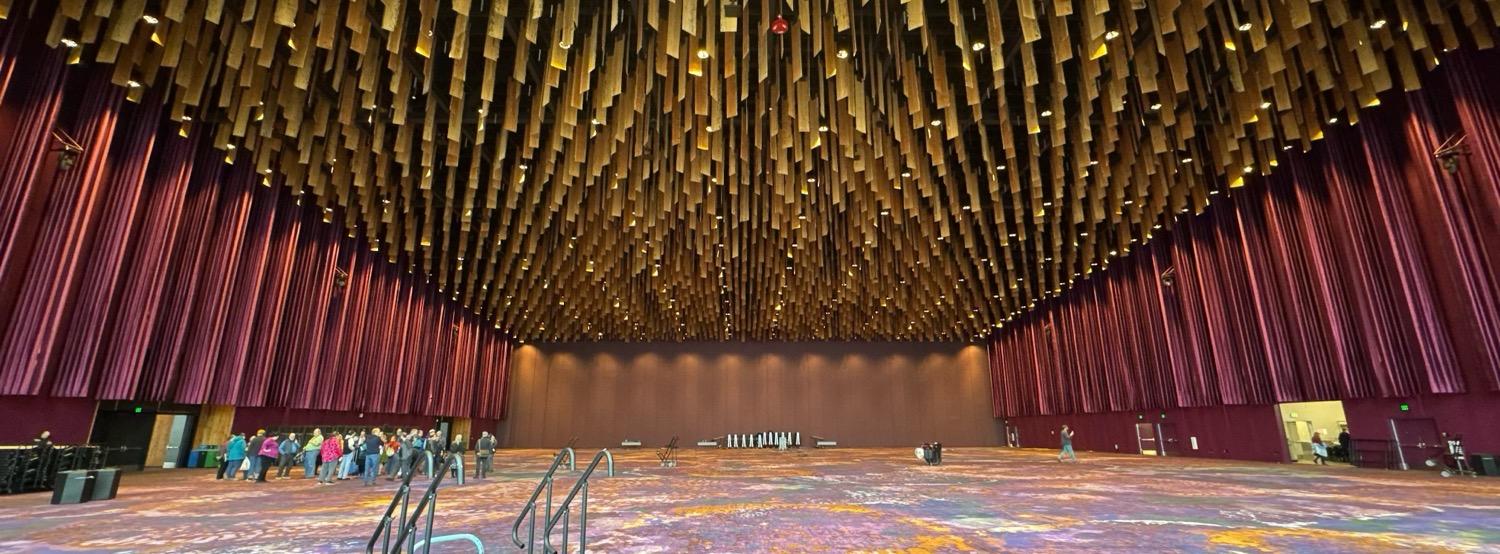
{"points": [[252, 451], [234, 455], [288, 451], [1320, 450], [372, 447], [435, 448], [310, 452], [484, 450], [392, 462], [330, 453], [456, 453], [1346, 444], [346, 463], [1067, 445], [421, 458], [269, 450], [42, 442]]}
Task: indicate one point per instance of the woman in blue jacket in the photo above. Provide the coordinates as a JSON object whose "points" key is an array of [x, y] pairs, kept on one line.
{"points": [[234, 454]]}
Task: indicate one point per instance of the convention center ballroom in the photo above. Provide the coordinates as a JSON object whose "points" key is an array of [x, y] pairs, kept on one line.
{"points": [[749, 276]]}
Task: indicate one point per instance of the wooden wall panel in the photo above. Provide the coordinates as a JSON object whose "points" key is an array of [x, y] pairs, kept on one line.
{"points": [[214, 422], [860, 394], [160, 431]]}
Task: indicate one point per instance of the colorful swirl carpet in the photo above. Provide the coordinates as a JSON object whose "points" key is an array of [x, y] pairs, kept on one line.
{"points": [[879, 500]]}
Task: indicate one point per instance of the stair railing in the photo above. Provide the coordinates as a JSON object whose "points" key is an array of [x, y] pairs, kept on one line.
{"points": [[583, 512], [401, 498], [428, 506], [544, 485]]}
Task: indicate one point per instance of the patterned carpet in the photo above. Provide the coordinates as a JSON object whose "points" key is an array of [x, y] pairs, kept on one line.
{"points": [[818, 501]]}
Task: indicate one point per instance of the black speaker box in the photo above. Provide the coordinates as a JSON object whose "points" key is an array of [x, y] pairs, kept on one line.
{"points": [[106, 483], [72, 487], [1484, 464]]}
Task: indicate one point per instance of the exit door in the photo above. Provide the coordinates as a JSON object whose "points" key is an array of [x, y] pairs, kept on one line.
{"points": [[1145, 434]]}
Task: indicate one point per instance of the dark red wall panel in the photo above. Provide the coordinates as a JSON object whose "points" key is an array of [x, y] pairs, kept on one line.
{"points": [[1362, 270]]}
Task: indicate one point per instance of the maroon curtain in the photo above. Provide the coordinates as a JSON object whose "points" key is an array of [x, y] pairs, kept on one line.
{"points": [[152, 270], [1364, 268]]}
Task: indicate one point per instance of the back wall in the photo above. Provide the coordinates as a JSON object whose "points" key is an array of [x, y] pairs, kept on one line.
{"points": [[859, 394]]}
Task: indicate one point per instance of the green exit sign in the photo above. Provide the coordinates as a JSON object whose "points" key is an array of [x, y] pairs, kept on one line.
{"points": [[137, 409], [1405, 407]]}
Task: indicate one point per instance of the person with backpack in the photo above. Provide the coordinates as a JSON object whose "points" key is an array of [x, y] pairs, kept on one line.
{"points": [[484, 450]]}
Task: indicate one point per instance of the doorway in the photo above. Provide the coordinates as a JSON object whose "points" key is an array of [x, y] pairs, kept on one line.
{"points": [[1147, 440], [1301, 421]]}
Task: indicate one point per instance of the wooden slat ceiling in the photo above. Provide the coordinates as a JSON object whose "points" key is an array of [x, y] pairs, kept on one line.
{"points": [[670, 170]]}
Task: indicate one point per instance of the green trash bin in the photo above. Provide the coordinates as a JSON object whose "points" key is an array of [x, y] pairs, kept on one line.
{"points": [[209, 455]]}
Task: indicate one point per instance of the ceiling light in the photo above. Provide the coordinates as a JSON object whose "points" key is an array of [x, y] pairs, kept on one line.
{"points": [[1378, 24], [1229, 45], [1187, 160], [134, 83], [1244, 26], [1333, 120], [1000, 167], [1249, 169], [70, 43], [595, 121], [702, 54], [822, 128], [1046, 113], [1111, 34], [977, 46], [1156, 106], [843, 54], [1287, 147], [937, 122], [150, 19], [906, 174]]}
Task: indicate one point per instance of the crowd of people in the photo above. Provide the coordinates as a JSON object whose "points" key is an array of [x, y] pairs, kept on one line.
{"points": [[350, 454]]}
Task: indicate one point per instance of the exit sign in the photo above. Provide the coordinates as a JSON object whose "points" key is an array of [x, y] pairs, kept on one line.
{"points": [[1405, 407]]}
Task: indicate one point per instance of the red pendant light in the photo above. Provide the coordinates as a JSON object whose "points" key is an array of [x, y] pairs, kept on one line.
{"points": [[779, 25]]}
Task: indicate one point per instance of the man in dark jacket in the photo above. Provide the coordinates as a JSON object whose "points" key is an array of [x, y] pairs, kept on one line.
{"points": [[252, 450], [374, 441], [435, 448], [483, 451]]}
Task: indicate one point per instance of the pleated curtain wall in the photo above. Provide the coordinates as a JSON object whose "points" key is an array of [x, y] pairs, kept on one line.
{"points": [[153, 271], [1360, 269]]}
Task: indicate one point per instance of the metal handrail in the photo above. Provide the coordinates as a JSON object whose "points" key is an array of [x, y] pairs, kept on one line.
{"points": [[403, 496], [474, 540], [427, 504], [544, 484], [583, 513]]}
